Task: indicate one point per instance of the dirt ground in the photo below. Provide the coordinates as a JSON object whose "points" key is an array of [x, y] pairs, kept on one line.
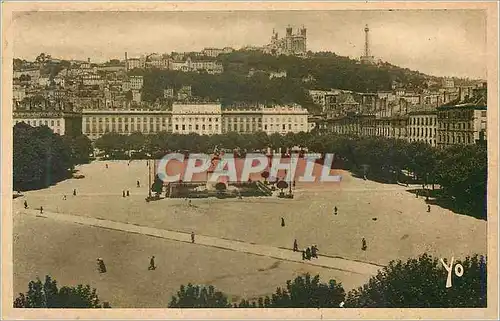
{"points": [[395, 224]]}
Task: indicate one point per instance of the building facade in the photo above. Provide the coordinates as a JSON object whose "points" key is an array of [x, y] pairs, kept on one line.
{"points": [[60, 122], [98, 122], [464, 124], [422, 127], [203, 119], [199, 118], [284, 119]]}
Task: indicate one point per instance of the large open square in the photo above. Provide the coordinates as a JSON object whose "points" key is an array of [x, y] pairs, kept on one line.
{"points": [[241, 247]]}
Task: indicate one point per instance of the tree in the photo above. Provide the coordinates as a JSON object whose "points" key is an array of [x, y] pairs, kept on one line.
{"points": [[43, 58], [128, 95], [265, 175], [157, 186], [194, 296], [40, 157], [282, 185], [47, 295], [220, 186], [304, 292], [420, 283], [81, 148]]}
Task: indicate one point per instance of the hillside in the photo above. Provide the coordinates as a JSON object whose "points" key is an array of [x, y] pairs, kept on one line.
{"points": [[246, 78]]}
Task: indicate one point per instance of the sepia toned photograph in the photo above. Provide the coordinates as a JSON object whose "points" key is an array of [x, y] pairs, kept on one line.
{"points": [[241, 158]]}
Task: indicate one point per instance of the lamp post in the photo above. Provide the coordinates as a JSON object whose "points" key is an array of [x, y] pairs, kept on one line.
{"points": [[149, 178]]}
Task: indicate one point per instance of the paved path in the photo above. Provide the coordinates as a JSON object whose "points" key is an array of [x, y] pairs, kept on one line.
{"points": [[238, 246]]}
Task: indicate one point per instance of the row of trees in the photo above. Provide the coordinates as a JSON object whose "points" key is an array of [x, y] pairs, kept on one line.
{"points": [[47, 295], [41, 158], [417, 283], [460, 171]]}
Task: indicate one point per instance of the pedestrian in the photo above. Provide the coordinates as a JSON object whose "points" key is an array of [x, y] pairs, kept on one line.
{"points": [[335, 209], [314, 251], [74, 192], [106, 165], [428, 208], [64, 197], [282, 222], [128, 193], [308, 253], [25, 204], [416, 194], [123, 193], [295, 246], [192, 237], [303, 255], [152, 263], [41, 209], [189, 203], [363, 244], [138, 184], [101, 266]]}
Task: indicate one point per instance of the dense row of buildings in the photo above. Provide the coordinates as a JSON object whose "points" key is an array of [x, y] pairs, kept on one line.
{"points": [[443, 120], [94, 99]]}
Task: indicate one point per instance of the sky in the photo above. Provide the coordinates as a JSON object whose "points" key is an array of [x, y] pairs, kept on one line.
{"points": [[436, 42]]}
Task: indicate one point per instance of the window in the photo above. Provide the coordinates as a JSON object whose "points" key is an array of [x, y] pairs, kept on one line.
{"points": [[51, 123], [176, 127], [483, 113], [197, 127], [283, 127], [58, 123], [203, 127], [183, 127]]}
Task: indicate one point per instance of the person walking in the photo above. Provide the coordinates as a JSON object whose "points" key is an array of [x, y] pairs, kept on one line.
{"points": [[101, 266], [282, 222], [308, 253], [128, 193], [152, 263], [25, 204], [138, 184], [363, 244], [295, 246], [41, 209], [123, 193], [303, 255], [64, 197], [74, 192], [106, 165], [192, 237], [335, 210], [314, 251], [428, 208]]}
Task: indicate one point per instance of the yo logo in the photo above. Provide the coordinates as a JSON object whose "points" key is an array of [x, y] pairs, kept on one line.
{"points": [[459, 271]]}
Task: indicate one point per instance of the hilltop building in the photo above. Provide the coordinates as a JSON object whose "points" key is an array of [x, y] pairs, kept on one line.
{"points": [[291, 44]]}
